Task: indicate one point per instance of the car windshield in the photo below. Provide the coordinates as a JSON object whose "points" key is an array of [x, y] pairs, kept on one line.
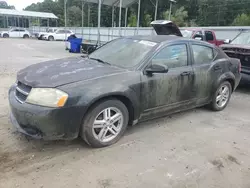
{"points": [[186, 33], [243, 38], [124, 52]]}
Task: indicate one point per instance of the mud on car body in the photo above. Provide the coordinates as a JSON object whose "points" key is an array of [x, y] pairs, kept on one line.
{"points": [[126, 81]]}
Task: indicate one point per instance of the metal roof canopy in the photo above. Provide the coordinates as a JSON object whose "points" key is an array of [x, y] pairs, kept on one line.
{"points": [[125, 3], [113, 3], [11, 12]]}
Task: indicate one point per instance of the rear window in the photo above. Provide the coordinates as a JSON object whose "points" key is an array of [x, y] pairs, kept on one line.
{"points": [[202, 54]]}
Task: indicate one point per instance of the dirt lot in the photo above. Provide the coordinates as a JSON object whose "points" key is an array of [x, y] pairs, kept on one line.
{"points": [[197, 148]]}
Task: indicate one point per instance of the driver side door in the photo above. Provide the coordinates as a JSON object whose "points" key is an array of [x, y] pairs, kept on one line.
{"points": [[162, 93]]}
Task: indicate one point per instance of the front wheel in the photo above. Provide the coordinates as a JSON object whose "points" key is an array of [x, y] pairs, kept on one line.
{"points": [[6, 35], [105, 123], [222, 96], [51, 38]]}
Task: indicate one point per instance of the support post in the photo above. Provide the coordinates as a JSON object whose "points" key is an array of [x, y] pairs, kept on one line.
{"points": [[138, 16], [88, 15], [99, 21], [120, 17], [82, 16], [169, 16], [113, 12], [7, 21], [156, 9], [48, 22], [126, 17], [65, 17]]}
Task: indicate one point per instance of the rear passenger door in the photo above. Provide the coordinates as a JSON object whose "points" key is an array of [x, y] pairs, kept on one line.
{"points": [[206, 70]]}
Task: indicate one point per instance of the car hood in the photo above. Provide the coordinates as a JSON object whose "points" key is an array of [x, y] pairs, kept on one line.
{"points": [[243, 46], [64, 71]]}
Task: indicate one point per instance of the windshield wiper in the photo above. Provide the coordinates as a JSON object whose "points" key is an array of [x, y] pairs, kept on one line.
{"points": [[99, 60]]}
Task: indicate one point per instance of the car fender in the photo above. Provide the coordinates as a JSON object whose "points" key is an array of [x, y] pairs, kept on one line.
{"points": [[95, 95], [224, 77], [91, 93]]}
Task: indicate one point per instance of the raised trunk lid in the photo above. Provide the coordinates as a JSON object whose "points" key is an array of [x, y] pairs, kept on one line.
{"points": [[166, 27]]}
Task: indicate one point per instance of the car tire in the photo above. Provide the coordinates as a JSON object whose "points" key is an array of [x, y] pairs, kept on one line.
{"points": [[50, 38], [26, 36], [6, 35], [107, 132], [222, 96]]}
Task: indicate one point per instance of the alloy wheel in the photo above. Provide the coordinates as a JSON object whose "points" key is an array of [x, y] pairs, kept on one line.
{"points": [[223, 96], [108, 124]]}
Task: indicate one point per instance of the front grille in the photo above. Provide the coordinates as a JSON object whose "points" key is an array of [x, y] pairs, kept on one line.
{"points": [[22, 92]]}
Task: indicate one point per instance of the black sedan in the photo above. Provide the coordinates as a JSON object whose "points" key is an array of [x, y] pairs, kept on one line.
{"points": [[126, 81]]}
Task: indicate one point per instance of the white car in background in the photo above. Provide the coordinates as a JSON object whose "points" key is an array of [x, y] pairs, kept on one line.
{"points": [[41, 34], [59, 34], [15, 33]]}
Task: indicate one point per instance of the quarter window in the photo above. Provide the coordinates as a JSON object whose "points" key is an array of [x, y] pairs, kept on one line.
{"points": [[202, 54], [172, 56]]}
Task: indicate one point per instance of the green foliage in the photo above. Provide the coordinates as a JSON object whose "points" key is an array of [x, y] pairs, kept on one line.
{"points": [[132, 20], [179, 17], [184, 12], [242, 20]]}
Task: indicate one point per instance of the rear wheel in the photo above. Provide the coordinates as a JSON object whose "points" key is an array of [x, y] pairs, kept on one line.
{"points": [[6, 35], [26, 36], [222, 96], [105, 123], [51, 38]]}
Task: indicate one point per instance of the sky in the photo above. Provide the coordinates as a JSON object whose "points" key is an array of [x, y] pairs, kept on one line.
{"points": [[20, 4]]}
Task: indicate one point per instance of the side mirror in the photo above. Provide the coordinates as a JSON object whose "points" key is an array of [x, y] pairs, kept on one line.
{"points": [[227, 41], [155, 68]]}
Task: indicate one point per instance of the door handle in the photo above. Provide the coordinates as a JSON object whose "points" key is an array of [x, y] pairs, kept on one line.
{"points": [[185, 73], [217, 67]]}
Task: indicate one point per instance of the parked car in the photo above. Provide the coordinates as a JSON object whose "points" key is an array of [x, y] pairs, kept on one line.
{"points": [[15, 33], [205, 35], [59, 34], [40, 35], [125, 81], [239, 48]]}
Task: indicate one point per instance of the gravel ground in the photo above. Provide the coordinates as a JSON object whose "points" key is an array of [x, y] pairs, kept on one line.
{"points": [[193, 149]]}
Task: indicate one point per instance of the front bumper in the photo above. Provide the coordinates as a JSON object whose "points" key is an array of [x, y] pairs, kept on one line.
{"points": [[43, 122]]}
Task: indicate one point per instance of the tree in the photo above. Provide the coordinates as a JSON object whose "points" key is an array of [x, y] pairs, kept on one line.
{"points": [[242, 20], [179, 17], [4, 5], [132, 20], [74, 16]]}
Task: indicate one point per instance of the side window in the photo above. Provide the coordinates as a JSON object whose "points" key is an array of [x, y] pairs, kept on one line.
{"points": [[202, 54], [209, 36], [60, 32], [15, 30], [67, 31], [172, 56]]}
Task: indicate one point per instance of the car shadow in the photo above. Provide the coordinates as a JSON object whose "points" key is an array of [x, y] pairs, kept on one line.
{"points": [[245, 89]]}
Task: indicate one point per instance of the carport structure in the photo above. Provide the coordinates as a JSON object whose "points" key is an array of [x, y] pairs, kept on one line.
{"points": [[122, 4], [22, 18]]}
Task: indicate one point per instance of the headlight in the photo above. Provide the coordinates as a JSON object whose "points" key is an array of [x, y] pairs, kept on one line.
{"points": [[48, 97]]}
